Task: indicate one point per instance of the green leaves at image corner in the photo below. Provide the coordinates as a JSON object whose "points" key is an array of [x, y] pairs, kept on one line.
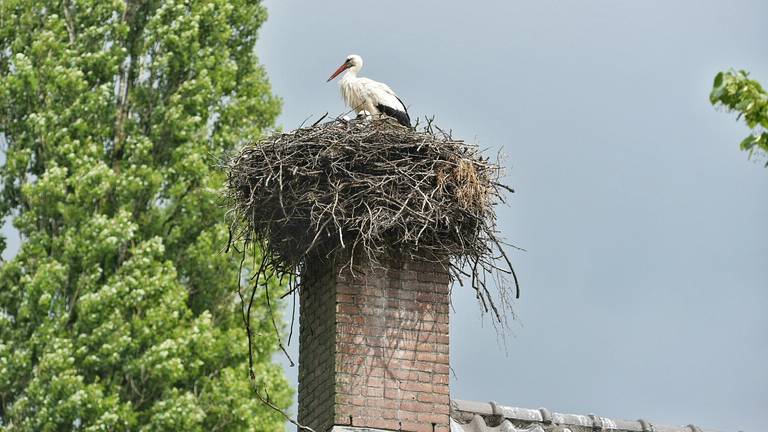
{"points": [[735, 91]]}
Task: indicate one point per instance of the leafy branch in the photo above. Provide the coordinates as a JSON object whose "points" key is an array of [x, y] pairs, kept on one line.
{"points": [[735, 91]]}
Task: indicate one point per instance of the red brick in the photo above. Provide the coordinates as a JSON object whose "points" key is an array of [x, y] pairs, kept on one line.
{"points": [[429, 297], [433, 398], [426, 347], [442, 408], [403, 344], [402, 354], [381, 423], [411, 406], [429, 417], [441, 369], [383, 403], [392, 393], [374, 392], [425, 376], [374, 382], [426, 356], [350, 338], [390, 414], [347, 309], [367, 412], [391, 383], [343, 399], [440, 379], [416, 386], [341, 419], [440, 388]]}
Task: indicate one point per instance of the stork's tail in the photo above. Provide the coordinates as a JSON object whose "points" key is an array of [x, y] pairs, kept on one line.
{"points": [[402, 117]]}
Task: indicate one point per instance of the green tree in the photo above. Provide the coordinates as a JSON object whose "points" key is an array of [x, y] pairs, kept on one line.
{"points": [[737, 92], [119, 311]]}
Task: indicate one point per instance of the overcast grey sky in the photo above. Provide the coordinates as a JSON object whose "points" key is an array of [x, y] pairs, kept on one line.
{"points": [[645, 284]]}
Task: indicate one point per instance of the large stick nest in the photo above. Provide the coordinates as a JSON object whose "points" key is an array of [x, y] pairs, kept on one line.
{"points": [[372, 189]]}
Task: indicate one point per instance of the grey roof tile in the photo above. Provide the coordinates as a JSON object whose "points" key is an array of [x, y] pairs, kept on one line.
{"points": [[469, 416], [478, 425]]}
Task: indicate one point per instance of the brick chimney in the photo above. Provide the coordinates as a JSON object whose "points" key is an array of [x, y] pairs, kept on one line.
{"points": [[373, 349]]}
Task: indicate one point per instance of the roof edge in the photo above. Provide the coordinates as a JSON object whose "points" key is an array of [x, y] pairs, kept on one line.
{"points": [[464, 411]]}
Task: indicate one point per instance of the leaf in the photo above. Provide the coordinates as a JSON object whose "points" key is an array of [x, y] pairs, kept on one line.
{"points": [[748, 142], [718, 80]]}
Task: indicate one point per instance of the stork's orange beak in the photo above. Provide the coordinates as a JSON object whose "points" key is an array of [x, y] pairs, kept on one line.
{"points": [[338, 71]]}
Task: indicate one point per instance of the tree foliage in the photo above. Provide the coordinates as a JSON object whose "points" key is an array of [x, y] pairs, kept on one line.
{"points": [[119, 312], [737, 92]]}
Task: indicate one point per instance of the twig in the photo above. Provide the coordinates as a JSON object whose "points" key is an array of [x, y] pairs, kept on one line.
{"points": [[247, 324], [266, 402], [320, 119], [274, 324]]}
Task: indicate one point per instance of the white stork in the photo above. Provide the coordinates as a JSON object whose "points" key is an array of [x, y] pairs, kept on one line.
{"points": [[366, 96]]}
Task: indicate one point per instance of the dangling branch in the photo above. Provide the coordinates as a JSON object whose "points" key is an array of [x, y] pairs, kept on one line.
{"points": [[245, 311]]}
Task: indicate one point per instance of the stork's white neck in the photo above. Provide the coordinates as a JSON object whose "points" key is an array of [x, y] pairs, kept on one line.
{"points": [[351, 73]]}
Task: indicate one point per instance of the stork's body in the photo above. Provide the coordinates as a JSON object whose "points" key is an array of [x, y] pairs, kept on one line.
{"points": [[366, 96]]}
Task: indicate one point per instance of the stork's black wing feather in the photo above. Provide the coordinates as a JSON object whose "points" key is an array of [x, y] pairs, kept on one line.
{"points": [[402, 117]]}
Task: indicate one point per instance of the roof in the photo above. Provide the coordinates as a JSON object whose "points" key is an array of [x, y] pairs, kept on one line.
{"points": [[468, 416]]}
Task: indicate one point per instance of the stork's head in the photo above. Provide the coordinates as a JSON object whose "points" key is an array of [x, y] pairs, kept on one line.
{"points": [[353, 61]]}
